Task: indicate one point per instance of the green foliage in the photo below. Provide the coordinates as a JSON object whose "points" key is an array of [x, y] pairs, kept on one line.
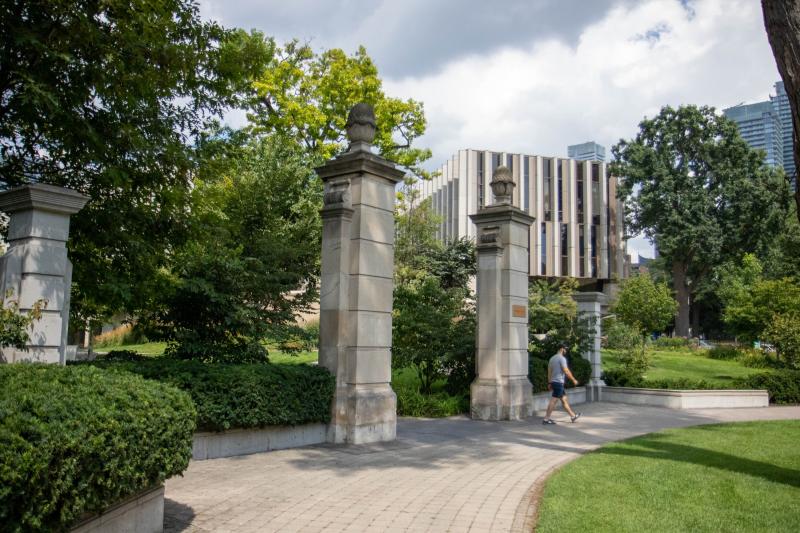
{"points": [[636, 359], [411, 402], [109, 98], [306, 97], [231, 396], [581, 368], [256, 240], [724, 353], [14, 326], [672, 343], [783, 385], [554, 319], [433, 328], [75, 440], [537, 373], [644, 304], [784, 334], [621, 336], [695, 187], [620, 377], [121, 355]]}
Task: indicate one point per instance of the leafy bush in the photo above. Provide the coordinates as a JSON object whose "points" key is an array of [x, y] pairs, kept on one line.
{"points": [[537, 373], [77, 439], [411, 402], [619, 377], [581, 368], [672, 343], [243, 396], [621, 336], [120, 336], [14, 326], [753, 358], [635, 360], [784, 333], [725, 353], [121, 355], [783, 387]]}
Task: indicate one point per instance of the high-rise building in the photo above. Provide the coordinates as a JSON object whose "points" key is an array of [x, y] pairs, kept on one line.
{"points": [[780, 102], [588, 151], [760, 125], [578, 227]]}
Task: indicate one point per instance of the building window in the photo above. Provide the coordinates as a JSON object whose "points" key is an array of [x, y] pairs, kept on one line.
{"points": [[560, 174], [543, 244], [510, 162], [579, 187], [481, 163], [547, 185], [596, 201], [582, 251], [564, 249], [526, 176], [593, 241]]}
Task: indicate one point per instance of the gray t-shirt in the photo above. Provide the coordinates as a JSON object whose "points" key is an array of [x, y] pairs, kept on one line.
{"points": [[557, 364]]}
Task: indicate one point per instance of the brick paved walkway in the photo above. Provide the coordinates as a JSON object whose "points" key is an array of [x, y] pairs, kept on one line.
{"points": [[439, 475]]}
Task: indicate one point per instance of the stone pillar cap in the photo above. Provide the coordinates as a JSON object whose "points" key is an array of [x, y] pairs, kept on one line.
{"points": [[502, 185], [361, 127], [590, 297], [42, 197]]}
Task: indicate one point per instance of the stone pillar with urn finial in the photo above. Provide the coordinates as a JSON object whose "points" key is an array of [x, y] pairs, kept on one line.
{"points": [[501, 390], [356, 285]]}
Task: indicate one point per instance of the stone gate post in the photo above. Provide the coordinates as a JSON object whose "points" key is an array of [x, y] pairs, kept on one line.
{"points": [[36, 266], [501, 390], [590, 304], [356, 285]]}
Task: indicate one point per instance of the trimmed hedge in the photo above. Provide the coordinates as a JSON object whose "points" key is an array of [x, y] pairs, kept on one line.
{"points": [[783, 386], [243, 395], [618, 377], [76, 440]]}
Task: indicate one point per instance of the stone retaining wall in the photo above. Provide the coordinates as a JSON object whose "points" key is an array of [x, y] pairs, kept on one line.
{"points": [[574, 397], [142, 513], [687, 399], [209, 445]]}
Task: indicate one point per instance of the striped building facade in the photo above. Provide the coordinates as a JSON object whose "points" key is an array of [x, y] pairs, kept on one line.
{"points": [[578, 227]]}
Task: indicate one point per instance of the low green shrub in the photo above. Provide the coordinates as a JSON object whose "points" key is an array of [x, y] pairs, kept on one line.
{"points": [[619, 377], [581, 368], [724, 353], [672, 343], [411, 402], [243, 395], [75, 440], [621, 336], [121, 355], [783, 386], [752, 358]]}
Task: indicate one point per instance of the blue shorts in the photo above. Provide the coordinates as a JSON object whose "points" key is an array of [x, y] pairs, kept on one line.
{"points": [[558, 389]]}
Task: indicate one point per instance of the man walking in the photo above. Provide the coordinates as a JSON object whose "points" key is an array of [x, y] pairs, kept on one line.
{"points": [[557, 371]]}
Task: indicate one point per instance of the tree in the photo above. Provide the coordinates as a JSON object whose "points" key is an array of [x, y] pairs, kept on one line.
{"points": [[782, 21], [108, 97], [695, 188], [554, 319], [644, 305], [253, 260], [307, 97]]}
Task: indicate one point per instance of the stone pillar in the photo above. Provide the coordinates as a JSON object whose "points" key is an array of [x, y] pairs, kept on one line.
{"points": [[356, 285], [36, 265], [501, 390], [589, 305]]}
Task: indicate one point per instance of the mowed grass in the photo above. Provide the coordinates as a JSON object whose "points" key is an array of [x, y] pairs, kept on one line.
{"points": [[275, 355], [729, 477], [691, 364]]}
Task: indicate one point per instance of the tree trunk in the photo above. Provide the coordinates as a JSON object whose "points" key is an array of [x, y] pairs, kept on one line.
{"points": [[782, 21], [682, 297], [695, 312]]}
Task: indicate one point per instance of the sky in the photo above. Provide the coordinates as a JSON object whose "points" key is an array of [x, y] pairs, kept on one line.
{"points": [[534, 76]]}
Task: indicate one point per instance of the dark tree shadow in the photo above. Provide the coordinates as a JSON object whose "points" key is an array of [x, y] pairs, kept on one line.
{"points": [[177, 516], [668, 451]]}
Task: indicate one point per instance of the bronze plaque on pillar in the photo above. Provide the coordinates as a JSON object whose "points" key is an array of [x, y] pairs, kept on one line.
{"points": [[519, 311]]}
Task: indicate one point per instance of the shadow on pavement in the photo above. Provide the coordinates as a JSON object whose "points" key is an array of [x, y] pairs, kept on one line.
{"points": [[177, 516]]}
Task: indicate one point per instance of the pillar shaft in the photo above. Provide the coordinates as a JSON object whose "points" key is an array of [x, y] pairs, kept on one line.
{"points": [[356, 294], [590, 305], [501, 390], [36, 266]]}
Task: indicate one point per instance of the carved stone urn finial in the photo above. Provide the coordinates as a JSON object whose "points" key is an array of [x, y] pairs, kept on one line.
{"points": [[361, 127], [502, 185]]}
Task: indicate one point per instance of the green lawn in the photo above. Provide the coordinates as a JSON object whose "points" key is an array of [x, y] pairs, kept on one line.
{"points": [[690, 364], [730, 477], [275, 355]]}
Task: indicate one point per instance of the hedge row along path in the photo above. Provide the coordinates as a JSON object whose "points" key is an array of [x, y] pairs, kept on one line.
{"points": [[450, 474]]}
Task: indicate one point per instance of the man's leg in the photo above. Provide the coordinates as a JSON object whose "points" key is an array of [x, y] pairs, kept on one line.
{"points": [[567, 407], [550, 407]]}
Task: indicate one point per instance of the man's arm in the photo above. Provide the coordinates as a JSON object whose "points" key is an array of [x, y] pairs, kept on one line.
{"points": [[569, 374]]}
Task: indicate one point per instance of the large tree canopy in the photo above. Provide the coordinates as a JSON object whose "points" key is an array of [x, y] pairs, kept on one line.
{"points": [[696, 189], [307, 96], [107, 97]]}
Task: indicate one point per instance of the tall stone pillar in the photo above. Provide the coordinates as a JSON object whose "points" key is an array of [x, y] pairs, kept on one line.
{"points": [[356, 285], [36, 266], [589, 305], [501, 390]]}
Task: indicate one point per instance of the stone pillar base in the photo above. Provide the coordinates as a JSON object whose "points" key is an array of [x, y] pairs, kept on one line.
{"points": [[364, 414], [510, 399], [594, 390]]}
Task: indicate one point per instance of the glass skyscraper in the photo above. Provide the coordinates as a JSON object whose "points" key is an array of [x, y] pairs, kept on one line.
{"points": [[588, 151], [781, 104], [760, 125]]}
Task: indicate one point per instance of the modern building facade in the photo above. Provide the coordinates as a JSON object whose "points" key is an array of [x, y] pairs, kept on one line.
{"points": [[588, 151], [578, 227], [780, 102], [760, 125]]}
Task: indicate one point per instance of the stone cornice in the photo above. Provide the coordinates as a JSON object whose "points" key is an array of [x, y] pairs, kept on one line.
{"points": [[42, 197], [501, 213], [360, 162]]}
